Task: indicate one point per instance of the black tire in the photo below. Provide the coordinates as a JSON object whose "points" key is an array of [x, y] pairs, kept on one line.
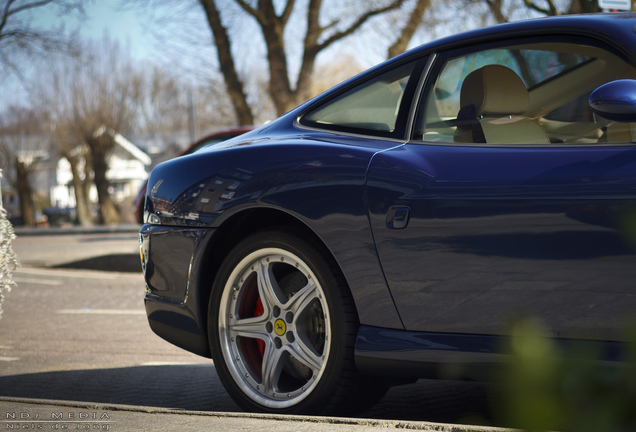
{"points": [[282, 328]]}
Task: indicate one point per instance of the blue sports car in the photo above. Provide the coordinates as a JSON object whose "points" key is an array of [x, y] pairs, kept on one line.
{"points": [[393, 227]]}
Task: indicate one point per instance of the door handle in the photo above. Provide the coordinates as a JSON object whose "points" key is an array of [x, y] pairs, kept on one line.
{"points": [[398, 217]]}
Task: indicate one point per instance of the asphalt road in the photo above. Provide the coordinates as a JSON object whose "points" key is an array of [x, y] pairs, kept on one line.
{"points": [[81, 335]]}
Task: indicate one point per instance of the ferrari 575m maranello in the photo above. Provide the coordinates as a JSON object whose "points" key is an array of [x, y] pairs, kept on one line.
{"points": [[393, 226]]}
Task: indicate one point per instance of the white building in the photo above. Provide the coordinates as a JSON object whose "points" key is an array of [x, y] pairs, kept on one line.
{"points": [[127, 172]]}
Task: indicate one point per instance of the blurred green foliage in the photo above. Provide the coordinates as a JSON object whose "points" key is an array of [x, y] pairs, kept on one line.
{"points": [[547, 386], [628, 226]]}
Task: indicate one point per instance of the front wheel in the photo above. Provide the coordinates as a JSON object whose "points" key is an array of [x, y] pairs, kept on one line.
{"points": [[282, 327]]}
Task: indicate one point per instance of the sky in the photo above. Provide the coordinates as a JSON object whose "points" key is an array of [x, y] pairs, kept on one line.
{"points": [[136, 28], [127, 25], [124, 24], [148, 30]]}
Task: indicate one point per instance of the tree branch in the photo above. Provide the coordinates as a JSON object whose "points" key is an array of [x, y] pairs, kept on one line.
{"points": [[359, 22], [415, 20], [495, 7], [550, 12], [7, 12], [313, 25], [265, 12], [289, 7], [5, 15], [256, 13], [28, 6]]}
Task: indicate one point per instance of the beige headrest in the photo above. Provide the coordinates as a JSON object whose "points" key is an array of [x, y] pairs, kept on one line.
{"points": [[495, 90]]}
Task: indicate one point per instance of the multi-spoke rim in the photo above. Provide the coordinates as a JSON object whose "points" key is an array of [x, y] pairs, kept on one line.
{"points": [[274, 327]]}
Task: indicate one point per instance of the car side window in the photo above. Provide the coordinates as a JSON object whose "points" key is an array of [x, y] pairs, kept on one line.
{"points": [[371, 108], [526, 93]]}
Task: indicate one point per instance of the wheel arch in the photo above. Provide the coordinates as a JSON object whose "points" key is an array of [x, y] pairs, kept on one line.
{"points": [[236, 228]]}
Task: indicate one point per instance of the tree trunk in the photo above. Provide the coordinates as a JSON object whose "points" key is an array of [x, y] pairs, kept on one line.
{"points": [[304, 83], [233, 83], [100, 148], [279, 86], [25, 193], [87, 183], [84, 217]]}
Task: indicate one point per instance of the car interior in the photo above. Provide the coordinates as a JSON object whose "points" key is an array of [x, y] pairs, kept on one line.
{"points": [[494, 101], [530, 94]]}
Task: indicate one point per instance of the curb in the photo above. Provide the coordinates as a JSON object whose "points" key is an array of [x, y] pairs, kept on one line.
{"points": [[383, 424], [97, 229]]}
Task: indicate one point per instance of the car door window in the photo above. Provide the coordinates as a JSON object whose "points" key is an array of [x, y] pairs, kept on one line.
{"points": [[370, 108], [530, 93]]}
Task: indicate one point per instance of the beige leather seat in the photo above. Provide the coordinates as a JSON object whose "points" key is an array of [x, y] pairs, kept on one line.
{"points": [[493, 102], [621, 132]]}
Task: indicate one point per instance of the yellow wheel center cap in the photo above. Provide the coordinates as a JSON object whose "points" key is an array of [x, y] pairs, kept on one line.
{"points": [[280, 327]]}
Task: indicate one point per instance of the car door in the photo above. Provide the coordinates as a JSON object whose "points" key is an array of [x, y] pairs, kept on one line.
{"points": [[476, 225]]}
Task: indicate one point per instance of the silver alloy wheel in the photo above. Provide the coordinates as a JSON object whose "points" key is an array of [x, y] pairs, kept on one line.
{"points": [[274, 328]]}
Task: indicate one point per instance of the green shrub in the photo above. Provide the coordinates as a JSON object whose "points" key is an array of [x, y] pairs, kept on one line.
{"points": [[565, 388]]}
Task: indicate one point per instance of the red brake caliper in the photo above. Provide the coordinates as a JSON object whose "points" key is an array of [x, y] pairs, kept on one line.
{"points": [[258, 312]]}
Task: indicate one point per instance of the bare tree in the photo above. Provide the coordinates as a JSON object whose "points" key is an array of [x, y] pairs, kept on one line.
{"points": [[66, 140], [164, 106], [106, 94], [55, 94], [212, 106], [24, 142], [234, 84], [319, 34], [20, 40], [97, 93]]}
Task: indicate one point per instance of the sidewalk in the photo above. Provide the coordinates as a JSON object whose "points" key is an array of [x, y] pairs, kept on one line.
{"points": [[57, 415], [105, 248]]}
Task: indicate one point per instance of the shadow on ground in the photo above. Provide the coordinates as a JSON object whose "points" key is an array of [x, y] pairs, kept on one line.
{"points": [[197, 387], [192, 387], [127, 263]]}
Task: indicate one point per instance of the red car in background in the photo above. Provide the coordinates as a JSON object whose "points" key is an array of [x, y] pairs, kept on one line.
{"points": [[212, 138]]}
